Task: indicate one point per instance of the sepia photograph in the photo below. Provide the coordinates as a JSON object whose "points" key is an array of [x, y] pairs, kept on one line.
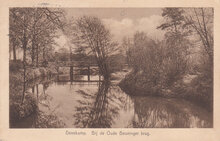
{"points": [[111, 67]]}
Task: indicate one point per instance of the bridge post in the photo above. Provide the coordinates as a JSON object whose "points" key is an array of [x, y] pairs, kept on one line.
{"points": [[33, 89], [58, 73], [99, 75], [88, 73], [71, 73], [37, 90]]}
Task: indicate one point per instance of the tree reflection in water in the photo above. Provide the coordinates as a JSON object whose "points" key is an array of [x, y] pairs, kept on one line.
{"points": [[97, 110], [100, 110], [108, 106], [153, 112]]}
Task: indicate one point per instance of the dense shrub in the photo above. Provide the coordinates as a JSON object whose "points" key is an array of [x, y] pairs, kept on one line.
{"points": [[15, 65], [160, 68], [161, 63], [19, 110], [116, 62]]}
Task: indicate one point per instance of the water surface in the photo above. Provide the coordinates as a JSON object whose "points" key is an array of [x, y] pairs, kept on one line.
{"points": [[105, 105]]}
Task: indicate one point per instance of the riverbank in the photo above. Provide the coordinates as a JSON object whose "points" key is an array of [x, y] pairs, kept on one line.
{"points": [[62, 105], [118, 76], [22, 103], [190, 87]]}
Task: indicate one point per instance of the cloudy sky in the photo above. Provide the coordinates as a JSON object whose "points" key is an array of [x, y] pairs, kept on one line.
{"points": [[121, 21]]}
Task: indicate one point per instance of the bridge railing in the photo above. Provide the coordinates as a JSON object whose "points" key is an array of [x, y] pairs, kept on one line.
{"points": [[74, 63]]}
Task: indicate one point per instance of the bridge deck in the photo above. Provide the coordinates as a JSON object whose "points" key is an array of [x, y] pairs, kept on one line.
{"points": [[80, 81], [78, 65]]}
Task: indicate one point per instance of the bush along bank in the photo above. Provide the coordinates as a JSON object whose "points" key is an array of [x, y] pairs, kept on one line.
{"points": [[22, 103], [19, 110], [195, 88]]}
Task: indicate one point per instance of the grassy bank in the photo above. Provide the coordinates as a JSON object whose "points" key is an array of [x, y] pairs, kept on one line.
{"points": [[195, 88], [22, 103]]}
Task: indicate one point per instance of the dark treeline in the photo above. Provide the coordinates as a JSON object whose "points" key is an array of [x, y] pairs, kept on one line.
{"points": [[186, 52], [115, 62], [34, 31]]}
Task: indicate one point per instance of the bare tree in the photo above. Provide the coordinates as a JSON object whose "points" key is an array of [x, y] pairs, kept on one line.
{"points": [[32, 29], [14, 36], [126, 45], [22, 24], [45, 23], [201, 21], [91, 36]]}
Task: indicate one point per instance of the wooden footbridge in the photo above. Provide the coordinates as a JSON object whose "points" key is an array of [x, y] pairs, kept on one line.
{"points": [[81, 65]]}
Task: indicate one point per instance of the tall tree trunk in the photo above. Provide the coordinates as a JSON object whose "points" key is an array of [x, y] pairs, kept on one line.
{"points": [[44, 58], [24, 63], [37, 53], [32, 51], [33, 39], [14, 52], [106, 71]]}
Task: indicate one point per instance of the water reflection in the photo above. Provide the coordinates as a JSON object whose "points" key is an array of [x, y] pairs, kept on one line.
{"points": [[42, 119], [79, 78], [104, 105], [154, 112], [95, 111]]}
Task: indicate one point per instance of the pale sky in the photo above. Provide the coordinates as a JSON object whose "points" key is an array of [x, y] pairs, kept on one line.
{"points": [[121, 21]]}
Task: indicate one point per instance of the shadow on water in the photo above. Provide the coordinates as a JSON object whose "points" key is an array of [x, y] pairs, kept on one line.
{"points": [[104, 105], [95, 111]]}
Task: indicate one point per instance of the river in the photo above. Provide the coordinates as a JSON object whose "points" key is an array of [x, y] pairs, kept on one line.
{"points": [[104, 105]]}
